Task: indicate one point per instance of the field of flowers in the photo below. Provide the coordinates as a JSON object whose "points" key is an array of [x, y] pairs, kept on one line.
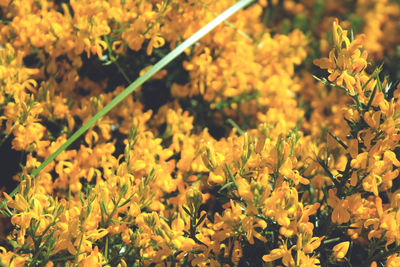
{"points": [[272, 140]]}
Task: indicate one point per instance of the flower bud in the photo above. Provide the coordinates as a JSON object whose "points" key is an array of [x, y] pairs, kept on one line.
{"points": [[194, 197], [209, 157], [340, 250]]}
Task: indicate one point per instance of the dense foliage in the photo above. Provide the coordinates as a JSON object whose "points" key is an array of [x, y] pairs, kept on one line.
{"points": [[272, 141]]}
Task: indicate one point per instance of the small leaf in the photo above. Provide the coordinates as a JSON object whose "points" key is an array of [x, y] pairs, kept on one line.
{"points": [[186, 210], [225, 186], [201, 219]]}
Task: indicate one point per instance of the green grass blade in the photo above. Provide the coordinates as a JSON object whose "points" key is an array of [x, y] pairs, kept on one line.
{"points": [[139, 81]]}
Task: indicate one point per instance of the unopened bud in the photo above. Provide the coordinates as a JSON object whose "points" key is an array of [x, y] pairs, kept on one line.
{"points": [[194, 197], [209, 158]]}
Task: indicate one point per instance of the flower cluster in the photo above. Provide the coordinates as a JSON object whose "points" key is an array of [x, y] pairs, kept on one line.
{"points": [[234, 155]]}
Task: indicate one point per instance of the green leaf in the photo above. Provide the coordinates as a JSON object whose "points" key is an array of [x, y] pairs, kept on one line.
{"points": [[186, 210], [338, 140], [231, 175], [226, 186], [234, 125], [201, 220]]}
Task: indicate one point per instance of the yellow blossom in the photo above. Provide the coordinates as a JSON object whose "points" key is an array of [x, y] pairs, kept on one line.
{"points": [[340, 250]]}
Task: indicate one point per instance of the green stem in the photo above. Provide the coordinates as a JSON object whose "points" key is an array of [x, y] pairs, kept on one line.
{"points": [[348, 262], [234, 125], [122, 71], [371, 98], [79, 250], [332, 240]]}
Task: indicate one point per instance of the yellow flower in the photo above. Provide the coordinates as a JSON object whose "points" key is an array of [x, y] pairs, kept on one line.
{"points": [[250, 222], [281, 252], [393, 260], [216, 177], [340, 250], [313, 244], [19, 203], [346, 62], [8, 258], [244, 189], [340, 212], [95, 259], [156, 41]]}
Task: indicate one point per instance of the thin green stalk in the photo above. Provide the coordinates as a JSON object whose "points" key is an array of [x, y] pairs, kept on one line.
{"points": [[338, 140], [371, 98], [138, 82], [79, 251], [332, 240], [122, 71], [230, 24], [376, 76], [234, 125]]}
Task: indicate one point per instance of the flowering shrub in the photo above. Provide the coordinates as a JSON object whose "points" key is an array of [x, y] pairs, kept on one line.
{"points": [[273, 140]]}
